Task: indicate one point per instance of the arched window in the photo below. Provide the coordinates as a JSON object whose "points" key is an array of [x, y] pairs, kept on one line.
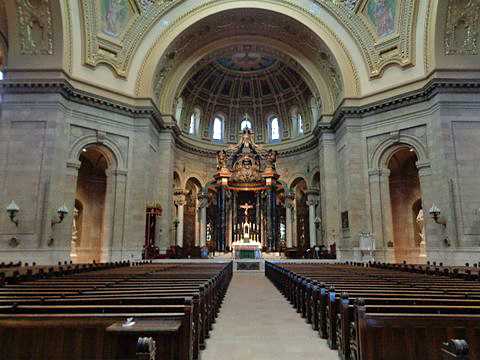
{"points": [[246, 123], [274, 128], [299, 123], [217, 134], [194, 122]]}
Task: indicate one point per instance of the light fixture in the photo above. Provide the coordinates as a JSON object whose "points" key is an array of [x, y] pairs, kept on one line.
{"points": [[317, 222], [62, 211], [12, 211], [84, 150], [435, 212]]}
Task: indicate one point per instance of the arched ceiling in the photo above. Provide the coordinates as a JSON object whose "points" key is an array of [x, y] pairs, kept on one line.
{"points": [[381, 47], [223, 37], [244, 78]]}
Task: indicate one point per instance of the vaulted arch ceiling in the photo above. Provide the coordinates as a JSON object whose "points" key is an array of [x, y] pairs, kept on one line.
{"points": [[278, 36]]}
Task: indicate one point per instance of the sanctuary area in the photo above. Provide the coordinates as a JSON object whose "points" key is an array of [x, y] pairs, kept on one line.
{"points": [[161, 160]]}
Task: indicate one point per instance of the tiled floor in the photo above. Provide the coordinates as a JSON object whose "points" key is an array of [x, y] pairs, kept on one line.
{"points": [[256, 322]]}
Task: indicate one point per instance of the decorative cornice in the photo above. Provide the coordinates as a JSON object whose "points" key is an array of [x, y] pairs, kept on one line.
{"points": [[432, 88], [70, 93], [306, 146]]}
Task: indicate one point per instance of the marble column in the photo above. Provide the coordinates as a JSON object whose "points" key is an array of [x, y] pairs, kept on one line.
{"points": [[434, 233], [289, 208], [70, 194], [381, 209], [221, 219], [312, 202], [271, 220], [329, 200], [114, 246], [203, 203], [180, 201]]}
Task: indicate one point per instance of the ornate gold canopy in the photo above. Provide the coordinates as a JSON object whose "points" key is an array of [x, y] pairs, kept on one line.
{"points": [[247, 166]]}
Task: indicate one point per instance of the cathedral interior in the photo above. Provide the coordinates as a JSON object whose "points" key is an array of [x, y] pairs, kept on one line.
{"points": [[182, 131]]}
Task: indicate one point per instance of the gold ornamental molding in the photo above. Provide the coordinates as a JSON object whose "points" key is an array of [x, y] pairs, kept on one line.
{"points": [[352, 79], [392, 44]]}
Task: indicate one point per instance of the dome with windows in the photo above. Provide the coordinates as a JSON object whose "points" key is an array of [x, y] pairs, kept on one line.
{"points": [[242, 87]]}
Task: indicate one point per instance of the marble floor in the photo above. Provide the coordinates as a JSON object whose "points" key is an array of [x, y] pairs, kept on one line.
{"points": [[256, 322]]}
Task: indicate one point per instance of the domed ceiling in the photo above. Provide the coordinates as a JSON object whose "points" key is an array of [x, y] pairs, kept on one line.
{"points": [[245, 79], [250, 73]]}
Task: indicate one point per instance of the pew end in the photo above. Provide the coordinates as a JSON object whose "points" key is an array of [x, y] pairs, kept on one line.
{"points": [[455, 349], [146, 348]]}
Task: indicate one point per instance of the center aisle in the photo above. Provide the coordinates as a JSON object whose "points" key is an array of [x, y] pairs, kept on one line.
{"points": [[257, 322]]}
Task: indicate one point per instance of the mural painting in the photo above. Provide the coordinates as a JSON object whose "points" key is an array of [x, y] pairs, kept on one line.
{"points": [[382, 14], [114, 16]]}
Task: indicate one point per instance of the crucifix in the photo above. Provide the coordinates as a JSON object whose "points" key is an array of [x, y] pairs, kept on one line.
{"points": [[246, 207]]}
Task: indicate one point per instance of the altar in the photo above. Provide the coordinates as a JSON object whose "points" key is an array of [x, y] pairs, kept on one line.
{"points": [[246, 179], [250, 250]]}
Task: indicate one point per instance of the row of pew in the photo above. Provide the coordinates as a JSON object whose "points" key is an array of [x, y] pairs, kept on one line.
{"points": [[121, 311], [380, 312]]}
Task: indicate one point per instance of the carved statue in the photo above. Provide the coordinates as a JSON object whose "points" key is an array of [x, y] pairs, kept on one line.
{"points": [[421, 225], [271, 159], [247, 139], [221, 160]]}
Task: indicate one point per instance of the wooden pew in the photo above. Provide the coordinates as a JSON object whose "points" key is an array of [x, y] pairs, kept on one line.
{"points": [[146, 290], [403, 292]]}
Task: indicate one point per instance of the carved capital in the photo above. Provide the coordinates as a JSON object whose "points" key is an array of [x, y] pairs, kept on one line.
{"points": [[180, 197]]}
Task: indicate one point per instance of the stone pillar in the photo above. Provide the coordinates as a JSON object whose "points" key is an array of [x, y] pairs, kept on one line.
{"points": [[289, 208], [312, 202], [434, 234], [203, 203], [381, 209], [229, 224], [271, 219], [70, 194], [221, 219], [180, 201], [329, 188]]}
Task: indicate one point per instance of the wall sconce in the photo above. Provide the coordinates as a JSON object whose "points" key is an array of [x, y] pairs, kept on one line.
{"points": [[12, 211], [62, 212], [176, 222], [435, 212], [317, 222]]}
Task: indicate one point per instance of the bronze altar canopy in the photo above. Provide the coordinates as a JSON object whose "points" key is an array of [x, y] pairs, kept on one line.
{"points": [[247, 166], [243, 168]]}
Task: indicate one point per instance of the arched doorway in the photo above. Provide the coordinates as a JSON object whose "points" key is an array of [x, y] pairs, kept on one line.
{"points": [[88, 233], [406, 205], [191, 229], [302, 230]]}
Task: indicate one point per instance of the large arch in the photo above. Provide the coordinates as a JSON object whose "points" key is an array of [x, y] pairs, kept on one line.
{"points": [[180, 74], [349, 71]]}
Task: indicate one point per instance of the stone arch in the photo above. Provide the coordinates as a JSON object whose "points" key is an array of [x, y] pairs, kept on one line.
{"points": [[296, 178], [405, 195], [94, 181], [347, 68], [383, 152], [191, 225], [315, 79], [110, 149]]}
